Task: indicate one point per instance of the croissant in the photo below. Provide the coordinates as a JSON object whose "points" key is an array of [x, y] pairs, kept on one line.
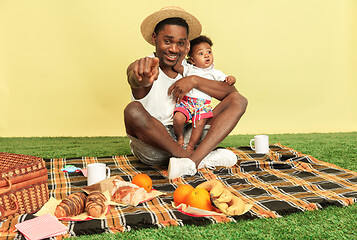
{"points": [[95, 204], [71, 205]]}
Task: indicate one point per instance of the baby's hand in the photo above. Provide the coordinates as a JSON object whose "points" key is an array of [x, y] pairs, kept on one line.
{"points": [[230, 80]]}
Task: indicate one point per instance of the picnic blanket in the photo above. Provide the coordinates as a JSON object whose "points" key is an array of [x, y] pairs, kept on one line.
{"points": [[282, 182]]}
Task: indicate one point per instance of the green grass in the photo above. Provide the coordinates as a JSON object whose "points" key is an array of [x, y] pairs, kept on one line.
{"points": [[330, 223]]}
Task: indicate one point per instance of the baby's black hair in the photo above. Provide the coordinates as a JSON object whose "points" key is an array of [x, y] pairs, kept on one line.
{"points": [[199, 40]]}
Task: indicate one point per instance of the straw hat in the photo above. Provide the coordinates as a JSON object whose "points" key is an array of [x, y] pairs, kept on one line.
{"points": [[148, 25]]}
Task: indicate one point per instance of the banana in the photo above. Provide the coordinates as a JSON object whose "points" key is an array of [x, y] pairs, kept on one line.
{"points": [[222, 198], [221, 206], [214, 187], [225, 197], [236, 206]]}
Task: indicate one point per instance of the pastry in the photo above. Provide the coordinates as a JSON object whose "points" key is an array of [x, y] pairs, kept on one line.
{"points": [[96, 204], [128, 193], [72, 205]]}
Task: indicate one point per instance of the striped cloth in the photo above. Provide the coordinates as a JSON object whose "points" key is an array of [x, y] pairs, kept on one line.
{"points": [[279, 183]]}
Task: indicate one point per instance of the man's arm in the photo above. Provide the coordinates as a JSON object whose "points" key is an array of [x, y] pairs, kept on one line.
{"points": [[141, 74], [216, 89]]}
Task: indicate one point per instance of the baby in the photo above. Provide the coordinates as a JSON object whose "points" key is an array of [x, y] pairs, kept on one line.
{"points": [[195, 106]]}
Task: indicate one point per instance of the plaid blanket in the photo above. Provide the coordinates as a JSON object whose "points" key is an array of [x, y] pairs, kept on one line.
{"points": [[279, 183]]}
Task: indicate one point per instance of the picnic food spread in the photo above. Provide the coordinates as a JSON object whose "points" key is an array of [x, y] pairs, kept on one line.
{"points": [[127, 193]]}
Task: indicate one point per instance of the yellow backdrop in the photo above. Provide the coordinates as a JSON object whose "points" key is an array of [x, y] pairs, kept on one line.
{"points": [[63, 63]]}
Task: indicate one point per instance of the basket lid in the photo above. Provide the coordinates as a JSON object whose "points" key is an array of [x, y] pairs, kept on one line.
{"points": [[12, 160]]}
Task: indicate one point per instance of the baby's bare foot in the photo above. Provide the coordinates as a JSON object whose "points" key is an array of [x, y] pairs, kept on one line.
{"points": [[180, 141], [190, 149]]}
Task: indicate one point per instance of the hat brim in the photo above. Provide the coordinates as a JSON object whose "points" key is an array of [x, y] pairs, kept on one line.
{"points": [[148, 25]]}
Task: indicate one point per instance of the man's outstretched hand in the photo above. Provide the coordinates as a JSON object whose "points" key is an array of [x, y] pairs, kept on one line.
{"points": [[146, 70]]}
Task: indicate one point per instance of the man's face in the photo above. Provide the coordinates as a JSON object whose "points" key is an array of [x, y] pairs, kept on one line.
{"points": [[171, 43]]}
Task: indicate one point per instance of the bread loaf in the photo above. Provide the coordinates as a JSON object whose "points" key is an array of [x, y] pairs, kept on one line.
{"points": [[129, 195], [72, 205], [95, 204]]}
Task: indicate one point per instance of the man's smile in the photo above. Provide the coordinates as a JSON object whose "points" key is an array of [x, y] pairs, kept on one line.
{"points": [[172, 57]]}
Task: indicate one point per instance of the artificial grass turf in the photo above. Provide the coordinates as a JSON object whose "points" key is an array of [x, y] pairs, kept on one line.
{"points": [[330, 223]]}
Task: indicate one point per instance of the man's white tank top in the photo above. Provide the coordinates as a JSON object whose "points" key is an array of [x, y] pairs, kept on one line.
{"points": [[157, 102]]}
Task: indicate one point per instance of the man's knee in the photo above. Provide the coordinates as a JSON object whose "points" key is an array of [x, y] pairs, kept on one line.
{"points": [[239, 102], [244, 103], [135, 116], [132, 110]]}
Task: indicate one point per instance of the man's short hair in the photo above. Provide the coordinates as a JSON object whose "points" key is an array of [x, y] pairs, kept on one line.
{"points": [[171, 21], [198, 40]]}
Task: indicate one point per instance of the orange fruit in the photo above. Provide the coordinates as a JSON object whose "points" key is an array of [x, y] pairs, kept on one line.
{"points": [[142, 180], [181, 193], [199, 198]]}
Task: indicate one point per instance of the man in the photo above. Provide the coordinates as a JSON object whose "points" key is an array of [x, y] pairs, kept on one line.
{"points": [[156, 87]]}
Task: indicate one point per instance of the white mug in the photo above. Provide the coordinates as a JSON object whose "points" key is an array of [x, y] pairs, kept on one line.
{"points": [[97, 172], [261, 144]]}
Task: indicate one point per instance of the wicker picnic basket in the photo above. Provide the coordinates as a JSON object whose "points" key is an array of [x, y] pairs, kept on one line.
{"points": [[23, 184]]}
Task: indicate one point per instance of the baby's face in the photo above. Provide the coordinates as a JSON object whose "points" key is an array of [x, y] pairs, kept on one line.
{"points": [[202, 55]]}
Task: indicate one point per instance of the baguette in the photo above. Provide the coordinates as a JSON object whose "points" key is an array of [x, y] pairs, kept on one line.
{"points": [[72, 205], [95, 204]]}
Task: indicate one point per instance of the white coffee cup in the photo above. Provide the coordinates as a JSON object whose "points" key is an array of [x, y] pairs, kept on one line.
{"points": [[261, 144], [97, 172]]}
